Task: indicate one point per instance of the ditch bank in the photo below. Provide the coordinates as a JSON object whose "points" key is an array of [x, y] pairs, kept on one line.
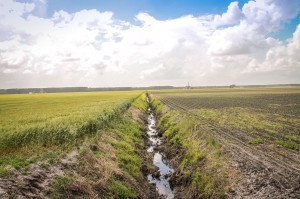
{"points": [[148, 153], [111, 164], [160, 176], [196, 163], [174, 166]]}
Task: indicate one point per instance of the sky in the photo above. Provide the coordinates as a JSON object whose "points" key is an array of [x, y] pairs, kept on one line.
{"points": [[98, 43]]}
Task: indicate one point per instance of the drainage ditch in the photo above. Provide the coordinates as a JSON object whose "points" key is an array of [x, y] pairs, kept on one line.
{"points": [[160, 177]]}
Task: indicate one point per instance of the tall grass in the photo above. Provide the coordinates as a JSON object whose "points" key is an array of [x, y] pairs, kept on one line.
{"points": [[203, 163], [54, 119]]}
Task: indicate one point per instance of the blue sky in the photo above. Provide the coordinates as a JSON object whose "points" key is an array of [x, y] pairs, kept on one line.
{"points": [[287, 30], [160, 9], [48, 43]]}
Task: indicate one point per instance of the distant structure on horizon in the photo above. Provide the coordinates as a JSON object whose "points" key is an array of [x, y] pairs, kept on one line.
{"points": [[188, 86]]}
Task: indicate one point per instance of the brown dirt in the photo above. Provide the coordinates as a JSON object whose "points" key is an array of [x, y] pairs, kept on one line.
{"points": [[138, 115], [37, 183], [180, 184], [90, 174], [263, 171]]}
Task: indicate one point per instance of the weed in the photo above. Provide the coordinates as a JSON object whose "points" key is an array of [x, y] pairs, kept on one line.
{"points": [[4, 172], [60, 186], [45, 166], [288, 144], [256, 141], [122, 190], [128, 158], [202, 152], [271, 113]]}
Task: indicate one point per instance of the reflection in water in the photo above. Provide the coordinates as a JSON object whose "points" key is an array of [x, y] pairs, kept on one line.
{"points": [[161, 182]]}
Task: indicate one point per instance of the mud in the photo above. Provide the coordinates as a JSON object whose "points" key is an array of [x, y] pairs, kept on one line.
{"points": [[35, 183], [159, 177], [264, 171]]}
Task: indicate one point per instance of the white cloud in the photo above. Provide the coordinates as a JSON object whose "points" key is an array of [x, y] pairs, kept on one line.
{"points": [[281, 57], [256, 21], [9, 8], [152, 71], [231, 17], [93, 48], [267, 15]]}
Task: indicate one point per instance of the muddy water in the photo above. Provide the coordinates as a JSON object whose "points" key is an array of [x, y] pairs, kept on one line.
{"points": [[159, 179]]}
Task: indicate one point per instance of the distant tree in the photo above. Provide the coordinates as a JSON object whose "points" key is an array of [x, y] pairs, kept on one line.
{"points": [[232, 86]]}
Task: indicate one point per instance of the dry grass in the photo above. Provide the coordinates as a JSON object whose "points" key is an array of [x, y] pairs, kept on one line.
{"points": [[100, 171]]}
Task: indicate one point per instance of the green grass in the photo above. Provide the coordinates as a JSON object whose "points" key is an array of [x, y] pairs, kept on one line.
{"points": [[109, 164], [130, 134], [31, 125], [47, 119], [256, 141], [121, 190], [270, 113], [203, 163], [4, 172], [261, 117], [60, 185], [288, 144]]}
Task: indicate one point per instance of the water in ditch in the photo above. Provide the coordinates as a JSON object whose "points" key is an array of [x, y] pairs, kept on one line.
{"points": [[160, 180]]}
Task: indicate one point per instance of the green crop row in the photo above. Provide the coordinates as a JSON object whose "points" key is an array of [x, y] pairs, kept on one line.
{"points": [[109, 164], [53, 119], [270, 114]]}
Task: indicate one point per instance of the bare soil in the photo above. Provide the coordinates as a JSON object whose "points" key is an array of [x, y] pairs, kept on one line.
{"points": [[37, 181], [263, 171]]}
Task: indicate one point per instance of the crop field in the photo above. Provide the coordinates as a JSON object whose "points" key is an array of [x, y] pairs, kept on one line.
{"points": [[271, 115], [71, 145], [260, 127], [30, 121], [220, 142], [258, 117]]}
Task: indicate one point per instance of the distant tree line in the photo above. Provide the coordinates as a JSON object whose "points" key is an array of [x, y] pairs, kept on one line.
{"points": [[76, 89], [87, 89]]}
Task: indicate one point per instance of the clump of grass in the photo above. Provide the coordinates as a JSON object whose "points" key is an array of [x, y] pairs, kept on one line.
{"points": [[16, 161], [288, 144], [256, 141], [61, 182], [158, 106], [121, 190], [128, 158], [45, 165], [98, 154], [60, 186], [141, 102], [4, 172]]}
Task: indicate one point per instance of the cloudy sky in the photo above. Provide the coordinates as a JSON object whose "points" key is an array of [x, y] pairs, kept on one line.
{"points": [[97, 43]]}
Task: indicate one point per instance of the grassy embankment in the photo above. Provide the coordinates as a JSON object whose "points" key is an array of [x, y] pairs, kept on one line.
{"points": [[203, 163], [110, 164], [46, 126]]}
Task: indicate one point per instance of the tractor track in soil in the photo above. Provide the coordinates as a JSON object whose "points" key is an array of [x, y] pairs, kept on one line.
{"points": [[263, 174]]}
